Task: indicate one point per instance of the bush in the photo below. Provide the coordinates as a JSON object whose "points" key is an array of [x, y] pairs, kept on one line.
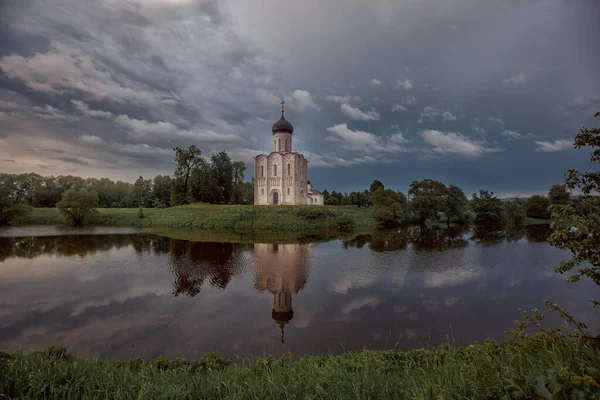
{"points": [[515, 213], [77, 205], [345, 223], [332, 201], [537, 207], [315, 213], [9, 209], [389, 207], [489, 213], [140, 212]]}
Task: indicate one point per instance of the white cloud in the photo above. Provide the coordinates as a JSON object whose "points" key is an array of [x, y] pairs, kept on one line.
{"points": [[65, 68], [144, 129], [479, 130], [430, 113], [375, 82], [368, 143], [510, 135], [517, 79], [557, 145], [410, 100], [455, 143], [405, 84], [84, 108], [267, 97], [358, 114], [338, 99], [497, 120], [130, 149], [398, 108], [301, 100]]}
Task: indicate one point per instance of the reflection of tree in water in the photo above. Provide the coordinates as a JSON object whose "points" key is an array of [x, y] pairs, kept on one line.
{"points": [[283, 270], [67, 245], [193, 263], [538, 233], [430, 239], [435, 238]]}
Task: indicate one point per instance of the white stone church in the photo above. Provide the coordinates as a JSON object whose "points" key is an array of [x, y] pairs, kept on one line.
{"points": [[282, 176]]}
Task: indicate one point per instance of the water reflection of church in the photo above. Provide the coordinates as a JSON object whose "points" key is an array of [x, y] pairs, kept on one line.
{"points": [[283, 270]]}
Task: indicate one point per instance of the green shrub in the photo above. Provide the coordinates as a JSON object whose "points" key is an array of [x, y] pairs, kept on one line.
{"points": [[345, 223], [316, 213]]}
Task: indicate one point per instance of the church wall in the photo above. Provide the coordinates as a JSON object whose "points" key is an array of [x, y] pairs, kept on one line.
{"points": [[282, 142], [289, 180], [275, 180], [260, 181]]}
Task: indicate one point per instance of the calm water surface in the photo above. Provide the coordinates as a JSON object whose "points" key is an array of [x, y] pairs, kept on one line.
{"points": [[121, 293]]}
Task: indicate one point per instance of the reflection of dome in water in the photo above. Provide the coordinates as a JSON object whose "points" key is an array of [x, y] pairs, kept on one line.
{"points": [[282, 269]]}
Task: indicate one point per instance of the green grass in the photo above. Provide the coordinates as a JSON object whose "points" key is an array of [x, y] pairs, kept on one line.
{"points": [[244, 219], [492, 370]]}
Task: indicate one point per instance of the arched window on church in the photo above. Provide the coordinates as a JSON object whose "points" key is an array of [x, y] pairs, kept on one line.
{"points": [[275, 170], [262, 191], [287, 145], [279, 144], [289, 169], [262, 171], [288, 190]]}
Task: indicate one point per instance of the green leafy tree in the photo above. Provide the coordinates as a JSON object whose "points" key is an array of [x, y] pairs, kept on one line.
{"points": [[579, 230], [332, 201], [515, 214], [426, 199], [141, 193], [454, 204], [558, 194], [375, 186], [77, 205], [8, 208], [161, 191], [389, 207], [187, 160], [325, 195], [222, 176], [489, 213], [537, 207]]}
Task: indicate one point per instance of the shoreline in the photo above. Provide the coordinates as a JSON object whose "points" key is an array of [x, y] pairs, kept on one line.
{"points": [[490, 370]]}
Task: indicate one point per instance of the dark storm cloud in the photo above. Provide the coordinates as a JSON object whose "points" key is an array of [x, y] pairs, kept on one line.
{"points": [[390, 90]]}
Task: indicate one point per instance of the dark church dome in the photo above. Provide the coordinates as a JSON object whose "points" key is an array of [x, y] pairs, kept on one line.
{"points": [[283, 125]]}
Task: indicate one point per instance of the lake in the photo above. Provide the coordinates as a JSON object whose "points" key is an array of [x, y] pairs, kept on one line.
{"points": [[121, 293]]}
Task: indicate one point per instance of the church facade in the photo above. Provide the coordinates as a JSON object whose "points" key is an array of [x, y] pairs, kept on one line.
{"points": [[281, 177]]}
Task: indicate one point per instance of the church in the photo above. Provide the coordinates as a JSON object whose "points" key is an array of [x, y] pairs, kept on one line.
{"points": [[282, 176]]}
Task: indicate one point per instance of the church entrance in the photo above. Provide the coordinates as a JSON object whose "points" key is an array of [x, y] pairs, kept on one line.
{"points": [[275, 198]]}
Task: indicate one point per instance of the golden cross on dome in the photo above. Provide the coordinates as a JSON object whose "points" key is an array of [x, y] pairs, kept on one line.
{"points": [[282, 103]]}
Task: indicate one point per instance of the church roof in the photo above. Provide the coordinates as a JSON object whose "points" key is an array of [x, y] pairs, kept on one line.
{"points": [[315, 192], [282, 125]]}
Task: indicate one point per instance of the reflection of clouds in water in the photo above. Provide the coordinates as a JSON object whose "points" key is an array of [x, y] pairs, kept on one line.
{"points": [[399, 309], [433, 304], [356, 280], [451, 277], [407, 334], [358, 303], [304, 317]]}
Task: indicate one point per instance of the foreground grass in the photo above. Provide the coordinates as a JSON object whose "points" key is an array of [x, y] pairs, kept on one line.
{"points": [[493, 370], [216, 217]]}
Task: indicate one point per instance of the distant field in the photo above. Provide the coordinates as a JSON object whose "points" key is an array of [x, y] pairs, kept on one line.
{"points": [[210, 217]]}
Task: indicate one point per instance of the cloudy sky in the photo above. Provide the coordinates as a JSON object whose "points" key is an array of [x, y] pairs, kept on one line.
{"points": [[479, 93]]}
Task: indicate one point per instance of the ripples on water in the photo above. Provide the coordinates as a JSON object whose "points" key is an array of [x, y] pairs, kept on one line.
{"points": [[116, 294]]}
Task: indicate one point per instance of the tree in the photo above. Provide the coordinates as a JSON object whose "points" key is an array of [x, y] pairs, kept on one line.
{"points": [[141, 193], [558, 194], [238, 172], [489, 213], [187, 160], [389, 207], [579, 230], [325, 195], [375, 186], [222, 176], [77, 205], [537, 207], [515, 213], [426, 199], [454, 203], [332, 201], [8, 208], [161, 191]]}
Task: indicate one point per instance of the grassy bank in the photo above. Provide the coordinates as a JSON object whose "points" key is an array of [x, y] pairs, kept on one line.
{"points": [[218, 217], [493, 370]]}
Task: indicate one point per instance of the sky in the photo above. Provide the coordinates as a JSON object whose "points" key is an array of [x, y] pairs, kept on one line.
{"points": [[478, 93]]}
